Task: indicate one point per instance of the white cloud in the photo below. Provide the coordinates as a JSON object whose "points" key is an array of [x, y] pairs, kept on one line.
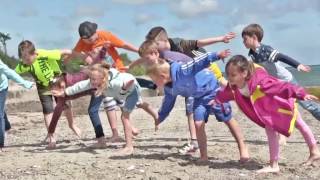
{"points": [[89, 11], [136, 2], [193, 8], [143, 18]]}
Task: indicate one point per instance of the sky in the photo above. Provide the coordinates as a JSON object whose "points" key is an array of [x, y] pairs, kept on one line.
{"points": [[291, 26]]}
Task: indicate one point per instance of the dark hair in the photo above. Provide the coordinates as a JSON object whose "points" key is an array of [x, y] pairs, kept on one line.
{"points": [[242, 64], [253, 29], [24, 47], [154, 32], [87, 29]]}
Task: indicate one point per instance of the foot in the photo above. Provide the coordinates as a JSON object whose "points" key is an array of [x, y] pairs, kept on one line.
{"points": [[51, 142], [101, 143], [188, 149], [125, 151], [244, 155], [114, 139], [269, 169], [76, 131], [312, 159]]}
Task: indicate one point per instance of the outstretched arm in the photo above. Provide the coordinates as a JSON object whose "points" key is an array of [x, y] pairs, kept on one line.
{"points": [[208, 41], [11, 74]]}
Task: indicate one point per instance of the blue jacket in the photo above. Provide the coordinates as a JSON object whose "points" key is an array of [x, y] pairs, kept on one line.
{"points": [[189, 79]]}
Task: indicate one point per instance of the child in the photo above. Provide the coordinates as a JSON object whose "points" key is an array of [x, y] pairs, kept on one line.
{"points": [[5, 74], [60, 83], [269, 58], [112, 83], [43, 65], [190, 80], [268, 102], [94, 46], [191, 48]]}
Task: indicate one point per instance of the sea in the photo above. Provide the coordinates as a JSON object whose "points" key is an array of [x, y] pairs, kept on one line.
{"points": [[307, 78]]}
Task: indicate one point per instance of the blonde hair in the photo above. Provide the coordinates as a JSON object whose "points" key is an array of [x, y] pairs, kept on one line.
{"points": [[147, 46], [155, 70], [102, 68]]}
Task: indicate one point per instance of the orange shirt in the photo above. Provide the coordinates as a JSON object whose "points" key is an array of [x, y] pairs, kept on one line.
{"points": [[103, 36]]}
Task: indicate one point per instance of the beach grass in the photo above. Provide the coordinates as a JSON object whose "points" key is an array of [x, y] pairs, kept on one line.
{"points": [[314, 90]]}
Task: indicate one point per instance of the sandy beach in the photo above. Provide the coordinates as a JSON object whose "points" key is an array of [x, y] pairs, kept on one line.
{"points": [[156, 153]]}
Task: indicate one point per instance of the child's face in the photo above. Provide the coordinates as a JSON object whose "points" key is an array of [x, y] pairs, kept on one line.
{"points": [[250, 42], [28, 59], [91, 39], [236, 77], [96, 79], [163, 44], [151, 56]]}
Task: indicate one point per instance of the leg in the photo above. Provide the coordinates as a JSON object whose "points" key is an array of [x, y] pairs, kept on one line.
{"points": [[3, 95], [69, 115], [238, 136], [128, 149], [310, 140], [273, 150], [110, 106], [202, 139], [93, 111], [7, 122]]}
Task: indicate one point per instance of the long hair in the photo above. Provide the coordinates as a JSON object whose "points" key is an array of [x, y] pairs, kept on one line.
{"points": [[242, 65], [103, 69]]}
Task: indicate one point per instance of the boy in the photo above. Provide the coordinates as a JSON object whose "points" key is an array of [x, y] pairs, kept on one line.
{"points": [[269, 58], [193, 48], [94, 46], [191, 80], [44, 65]]}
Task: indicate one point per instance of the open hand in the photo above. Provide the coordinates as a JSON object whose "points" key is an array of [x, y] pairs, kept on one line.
{"points": [[310, 97], [58, 92], [228, 37], [223, 54], [304, 68]]}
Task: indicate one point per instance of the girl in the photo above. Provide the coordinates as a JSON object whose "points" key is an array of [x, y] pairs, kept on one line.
{"points": [[5, 74], [111, 83], [269, 103]]}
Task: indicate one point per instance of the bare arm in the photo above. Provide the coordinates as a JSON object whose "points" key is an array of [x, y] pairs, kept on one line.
{"points": [[208, 41], [130, 47]]}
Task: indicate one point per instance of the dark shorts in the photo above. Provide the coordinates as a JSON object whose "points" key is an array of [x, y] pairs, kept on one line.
{"points": [[47, 103]]}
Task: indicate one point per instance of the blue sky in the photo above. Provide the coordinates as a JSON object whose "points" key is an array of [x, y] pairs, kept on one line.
{"points": [[291, 26]]}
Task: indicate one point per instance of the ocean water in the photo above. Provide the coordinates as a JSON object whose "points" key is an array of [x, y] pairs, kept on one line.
{"points": [[307, 79]]}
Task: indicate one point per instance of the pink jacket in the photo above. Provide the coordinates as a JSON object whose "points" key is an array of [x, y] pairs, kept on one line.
{"points": [[271, 102]]}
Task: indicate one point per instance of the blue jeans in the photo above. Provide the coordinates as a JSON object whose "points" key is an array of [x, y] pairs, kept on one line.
{"points": [[311, 106], [3, 96], [7, 125], [93, 111]]}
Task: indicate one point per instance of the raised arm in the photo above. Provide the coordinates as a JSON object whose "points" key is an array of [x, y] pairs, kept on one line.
{"points": [[208, 41]]}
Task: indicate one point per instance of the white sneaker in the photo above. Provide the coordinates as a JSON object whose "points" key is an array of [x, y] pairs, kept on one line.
{"points": [[188, 148]]}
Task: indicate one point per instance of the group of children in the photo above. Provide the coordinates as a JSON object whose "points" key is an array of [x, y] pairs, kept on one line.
{"points": [[179, 67]]}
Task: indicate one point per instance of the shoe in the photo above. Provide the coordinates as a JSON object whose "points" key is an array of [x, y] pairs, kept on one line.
{"points": [[188, 148]]}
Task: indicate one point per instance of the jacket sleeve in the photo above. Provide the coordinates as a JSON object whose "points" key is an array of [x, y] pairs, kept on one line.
{"points": [[11, 74], [78, 87], [199, 63], [275, 87], [167, 105], [286, 59], [224, 94]]}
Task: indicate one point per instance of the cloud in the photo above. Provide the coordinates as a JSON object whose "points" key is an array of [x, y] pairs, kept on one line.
{"points": [[143, 18], [65, 42], [28, 12], [89, 11], [136, 2], [193, 8]]}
